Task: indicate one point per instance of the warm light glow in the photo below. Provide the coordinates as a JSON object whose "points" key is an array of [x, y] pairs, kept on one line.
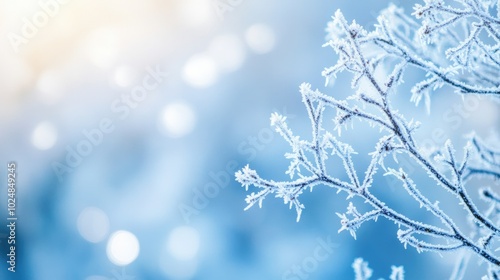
{"points": [[196, 13], [102, 47], [124, 76]]}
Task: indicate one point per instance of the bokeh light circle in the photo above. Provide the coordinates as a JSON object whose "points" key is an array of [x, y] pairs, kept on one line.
{"points": [[200, 71], [260, 38], [184, 243], [178, 119], [44, 136], [93, 224], [123, 248]]}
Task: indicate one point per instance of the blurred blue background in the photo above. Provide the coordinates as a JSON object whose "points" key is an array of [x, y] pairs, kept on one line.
{"points": [[116, 158]]}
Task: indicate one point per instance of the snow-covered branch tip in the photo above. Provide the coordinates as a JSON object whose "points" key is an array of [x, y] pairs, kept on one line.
{"points": [[363, 272]]}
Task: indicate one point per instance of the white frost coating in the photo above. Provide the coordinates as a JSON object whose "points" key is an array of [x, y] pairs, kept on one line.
{"points": [[361, 270], [432, 40]]}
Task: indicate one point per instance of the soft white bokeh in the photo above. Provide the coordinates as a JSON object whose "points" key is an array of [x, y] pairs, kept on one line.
{"points": [[49, 87], [228, 52], [124, 76], [178, 119], [184, 243], [44, 136], [260, 38], [93, 224], [200, 71], [123, 248], [102, 47], [197, 13], [179, 258]]}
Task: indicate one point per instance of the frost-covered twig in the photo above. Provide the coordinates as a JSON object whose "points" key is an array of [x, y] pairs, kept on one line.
{"points": [[377, 60], [363, 272]]}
